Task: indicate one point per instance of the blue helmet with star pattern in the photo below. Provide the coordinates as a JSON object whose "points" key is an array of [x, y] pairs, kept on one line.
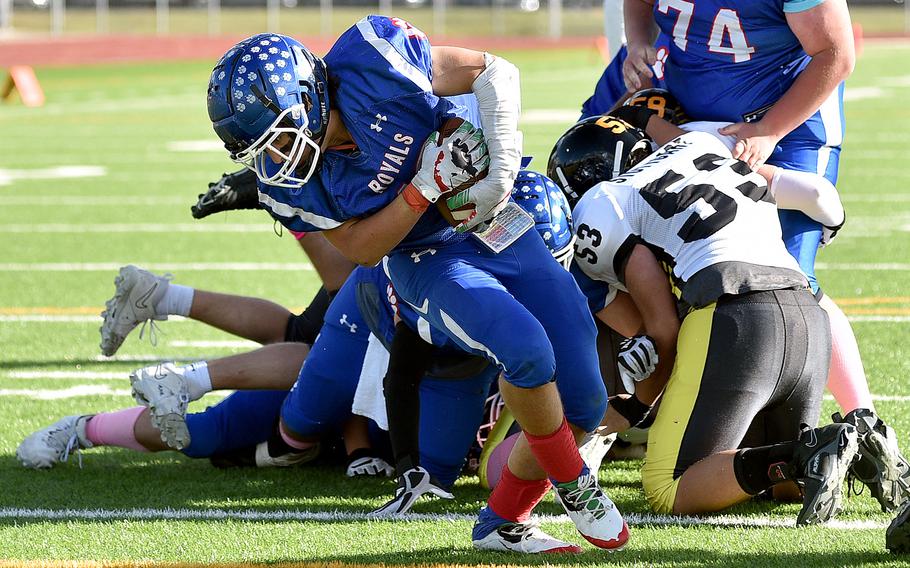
{"points": [[269, 95], [545, 202]]}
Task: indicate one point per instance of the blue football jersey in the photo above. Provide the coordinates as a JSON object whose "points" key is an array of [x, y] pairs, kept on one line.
{"points": [[730, 60], [380, 71]]}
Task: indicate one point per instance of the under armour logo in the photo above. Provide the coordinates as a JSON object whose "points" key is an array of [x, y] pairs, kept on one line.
{"points": [[344, 321], [416, 255], [379, 120]]}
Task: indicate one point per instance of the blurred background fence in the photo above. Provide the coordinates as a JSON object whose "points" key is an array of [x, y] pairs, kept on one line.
{"points": [[535, 18]]}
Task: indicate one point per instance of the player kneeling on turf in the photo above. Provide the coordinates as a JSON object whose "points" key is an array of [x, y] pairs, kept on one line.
{"points": [[689, 230]]}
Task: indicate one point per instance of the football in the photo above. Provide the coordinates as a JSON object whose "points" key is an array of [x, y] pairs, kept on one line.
{"points": [[460, 154]]}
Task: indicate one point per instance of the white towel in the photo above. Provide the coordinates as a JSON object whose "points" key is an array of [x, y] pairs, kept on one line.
{"points": [[368, 398]]}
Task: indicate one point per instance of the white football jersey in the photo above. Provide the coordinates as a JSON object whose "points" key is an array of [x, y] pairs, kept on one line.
{"points": [[707, 217]]}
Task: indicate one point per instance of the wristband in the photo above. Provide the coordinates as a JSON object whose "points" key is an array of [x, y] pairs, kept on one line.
{"points": [[415, 200], [637, 116], [632, 409]]}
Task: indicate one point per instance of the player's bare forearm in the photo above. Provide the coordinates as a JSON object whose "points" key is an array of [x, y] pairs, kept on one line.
{"points": [[621, 315], [813, 86], [826, 34], [639, 21], [662, 131], [649, 288], [366, 240], [455, 69]]}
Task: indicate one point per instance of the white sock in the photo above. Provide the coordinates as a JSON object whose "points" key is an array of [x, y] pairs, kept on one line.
{"points": [[807, 192], [177, 301], [197, 378]]}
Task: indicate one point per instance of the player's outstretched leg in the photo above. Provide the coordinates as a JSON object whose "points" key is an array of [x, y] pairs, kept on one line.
{"points": [[137, 294], [880, 466]]}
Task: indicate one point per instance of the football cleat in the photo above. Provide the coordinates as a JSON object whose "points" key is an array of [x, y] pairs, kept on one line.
{"points": [[265, 459], [137, 292], [820, 463], [526, 538], [411, 485], [880, 466], [53, 444], [233, 191], [594, 514], [165, 392], [897, 537]]}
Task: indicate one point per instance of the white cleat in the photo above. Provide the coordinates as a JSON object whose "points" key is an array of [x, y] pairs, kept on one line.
{"points": [[53, 444], [526, 538], [137, 293], [594, 514], [165, 392]]}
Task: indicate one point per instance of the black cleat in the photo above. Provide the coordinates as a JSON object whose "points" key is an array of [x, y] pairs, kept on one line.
{"points": [[233, 191], [412, 484], [820, 463], [880, 466], [897, 537]]}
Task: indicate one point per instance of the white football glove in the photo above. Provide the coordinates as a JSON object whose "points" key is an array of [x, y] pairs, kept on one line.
{"points": [[637, 359], [369, 467], [449, 163]]}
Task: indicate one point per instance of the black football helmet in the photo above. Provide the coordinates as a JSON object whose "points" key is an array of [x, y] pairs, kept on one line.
{"points": [[594, 150], [660, 101]]}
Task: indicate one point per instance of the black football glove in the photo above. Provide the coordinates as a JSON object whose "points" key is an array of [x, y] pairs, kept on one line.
{"points": [[236, 190]]}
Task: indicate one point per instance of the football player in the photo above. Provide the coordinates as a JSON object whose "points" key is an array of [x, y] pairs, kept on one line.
{"points": [[689, 231], [352, 146], [882, 467], [777, 72]]}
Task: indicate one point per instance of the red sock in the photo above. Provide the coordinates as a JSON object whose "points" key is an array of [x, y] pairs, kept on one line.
{"points": [[557, 453], [514, 498]]}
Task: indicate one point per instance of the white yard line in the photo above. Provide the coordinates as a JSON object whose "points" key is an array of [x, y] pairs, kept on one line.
{"points": [[91, 200], [78, 228], [154, 266], [59, 172], [227, 343], [346, 516], [72, 392], [81, 375], [289, 266]]}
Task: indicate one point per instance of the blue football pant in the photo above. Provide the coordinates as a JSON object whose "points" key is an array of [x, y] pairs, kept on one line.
{"points": [[520, 309]]}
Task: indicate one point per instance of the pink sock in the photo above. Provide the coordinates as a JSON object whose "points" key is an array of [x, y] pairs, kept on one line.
{"points": [[846, 376], [499, 457], [115, 429], [296, 444]]}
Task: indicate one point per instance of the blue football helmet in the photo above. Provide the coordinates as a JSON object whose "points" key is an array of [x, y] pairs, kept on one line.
{"points": [[269, 92], [545, 202]]}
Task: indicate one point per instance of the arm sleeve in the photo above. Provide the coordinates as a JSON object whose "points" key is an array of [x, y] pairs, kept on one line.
{"points": [[793, 6]]}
